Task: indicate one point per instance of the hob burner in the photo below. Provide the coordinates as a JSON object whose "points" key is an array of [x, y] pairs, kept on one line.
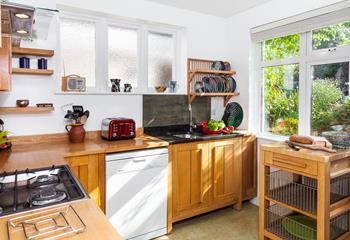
{"points": [[48, 196], [43, 181]]}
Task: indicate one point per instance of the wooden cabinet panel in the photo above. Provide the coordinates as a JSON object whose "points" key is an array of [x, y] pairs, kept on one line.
{"points": [[90, 170], [226, 160], [5, 64], [191, 178], [249, 167]]}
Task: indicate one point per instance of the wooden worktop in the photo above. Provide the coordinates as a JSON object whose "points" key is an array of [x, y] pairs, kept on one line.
{"points": [[38, 153], [97, 225], [315, 155], [43, 154]]}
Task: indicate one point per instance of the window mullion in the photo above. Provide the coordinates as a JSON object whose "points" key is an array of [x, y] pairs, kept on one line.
{"points": [[304, 106], [101, 63]]}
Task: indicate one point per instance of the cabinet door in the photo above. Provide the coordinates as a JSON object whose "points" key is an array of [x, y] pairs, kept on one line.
{"points": [[191, 179], [90, 170], [249, 167], [226, 170], [5, 64]]}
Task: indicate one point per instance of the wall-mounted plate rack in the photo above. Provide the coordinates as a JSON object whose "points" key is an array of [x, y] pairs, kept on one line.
{"points": [[199, 68]]}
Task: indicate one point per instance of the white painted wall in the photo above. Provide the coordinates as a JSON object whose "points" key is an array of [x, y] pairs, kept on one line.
{"points": [[206, 38], [240, 44]]}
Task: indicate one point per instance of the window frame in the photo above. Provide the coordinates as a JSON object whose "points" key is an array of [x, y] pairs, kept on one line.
{"points": [[306, 59], [140, 61], [175, 62], [59, 66], [101, 50]]}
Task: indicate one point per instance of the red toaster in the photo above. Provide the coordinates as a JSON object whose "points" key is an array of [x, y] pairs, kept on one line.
{"points": [[118, 128]]}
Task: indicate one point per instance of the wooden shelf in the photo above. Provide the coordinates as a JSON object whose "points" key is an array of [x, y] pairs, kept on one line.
{"points": [[20, 110], [32, 71], [227, 96], [214, 72], [32, 52]]}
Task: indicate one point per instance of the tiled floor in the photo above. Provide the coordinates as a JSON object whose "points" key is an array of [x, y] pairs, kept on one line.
{"points": [[224, 224]]}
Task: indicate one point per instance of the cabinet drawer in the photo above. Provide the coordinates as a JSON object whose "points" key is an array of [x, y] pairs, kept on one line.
{"points": [[294, 164]]}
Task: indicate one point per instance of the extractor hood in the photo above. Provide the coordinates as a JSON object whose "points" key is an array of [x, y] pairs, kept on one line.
{"points": [[25, 22]]}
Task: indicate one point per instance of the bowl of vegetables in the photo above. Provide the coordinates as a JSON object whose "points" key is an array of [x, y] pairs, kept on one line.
{"points": [[216, 127]]}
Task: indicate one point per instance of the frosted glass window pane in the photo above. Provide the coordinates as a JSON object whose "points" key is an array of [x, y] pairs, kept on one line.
{"points": [[122, 55], [160, 58], [78, 49]]}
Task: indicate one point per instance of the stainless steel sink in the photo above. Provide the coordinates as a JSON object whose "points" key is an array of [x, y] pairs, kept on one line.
{"points": [[186, 136]]}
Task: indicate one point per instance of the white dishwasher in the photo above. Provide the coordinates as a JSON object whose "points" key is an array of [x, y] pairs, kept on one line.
{"points": [[136, 193]]}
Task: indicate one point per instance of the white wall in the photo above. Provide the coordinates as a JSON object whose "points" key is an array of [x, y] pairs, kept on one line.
{"points": [[206, 38], [240, 45]]}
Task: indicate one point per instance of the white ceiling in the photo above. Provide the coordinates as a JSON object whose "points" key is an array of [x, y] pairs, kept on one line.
{"points": [[220, 8]]}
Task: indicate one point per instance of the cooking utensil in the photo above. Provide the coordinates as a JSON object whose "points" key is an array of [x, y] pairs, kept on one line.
{"points": [[233, 115], [85, 116], [78, 108]]}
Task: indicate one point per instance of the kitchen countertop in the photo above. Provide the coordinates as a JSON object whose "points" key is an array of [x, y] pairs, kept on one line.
{"points": [[169, 134], [313, 155], [46, 154], [97, 225]]}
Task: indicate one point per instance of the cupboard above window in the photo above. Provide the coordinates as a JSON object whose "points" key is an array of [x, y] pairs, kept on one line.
{"points": [[139, 53]]}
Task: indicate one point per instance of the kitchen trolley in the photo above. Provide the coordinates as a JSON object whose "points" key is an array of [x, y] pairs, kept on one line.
{"points": [[304, 195]]}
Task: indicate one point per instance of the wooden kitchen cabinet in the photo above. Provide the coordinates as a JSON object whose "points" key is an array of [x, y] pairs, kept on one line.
{"points": [[5, 64], [90, 170], [226, 161], [204, 176], [191, 179], [249, 167]]}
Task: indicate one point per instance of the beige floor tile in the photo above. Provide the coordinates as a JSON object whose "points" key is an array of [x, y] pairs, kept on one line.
{"points": [[224, 224]]}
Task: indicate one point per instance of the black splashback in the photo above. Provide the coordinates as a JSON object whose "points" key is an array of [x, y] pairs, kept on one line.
{"points": [[164, 110]]}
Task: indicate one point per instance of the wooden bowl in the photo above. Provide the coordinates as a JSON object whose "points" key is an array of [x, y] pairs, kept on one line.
{"points": [[22, 102], [160, 89]]}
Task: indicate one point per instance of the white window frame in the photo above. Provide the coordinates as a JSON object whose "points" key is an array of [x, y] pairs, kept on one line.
{"points": [[140, 60], [101, 50], [306, 59], [176, 62], [81, 17]]}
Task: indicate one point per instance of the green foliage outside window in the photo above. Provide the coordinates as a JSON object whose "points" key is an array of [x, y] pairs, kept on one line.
{"points": [[332, 36], [329, 106]]}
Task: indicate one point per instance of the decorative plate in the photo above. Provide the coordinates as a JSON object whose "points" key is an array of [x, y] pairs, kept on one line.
{"points": [[233, 115]]}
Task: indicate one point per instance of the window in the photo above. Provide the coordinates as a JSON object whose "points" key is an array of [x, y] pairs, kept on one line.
{"points": [[330, 97], [304, 90], [281, 95], [101, 49], [77, 38], [281, 85], [281, 48], [330, 37], [160, 58], [122, 54]]}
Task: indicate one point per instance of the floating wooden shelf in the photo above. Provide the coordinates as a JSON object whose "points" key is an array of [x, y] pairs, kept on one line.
{"points": [[196, 68], [32, 52], [20, 110], [227, 96], [32, 71]]}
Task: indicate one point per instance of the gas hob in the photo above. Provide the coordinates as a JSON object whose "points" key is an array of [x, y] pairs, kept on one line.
{"points": [[36, 188]]}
